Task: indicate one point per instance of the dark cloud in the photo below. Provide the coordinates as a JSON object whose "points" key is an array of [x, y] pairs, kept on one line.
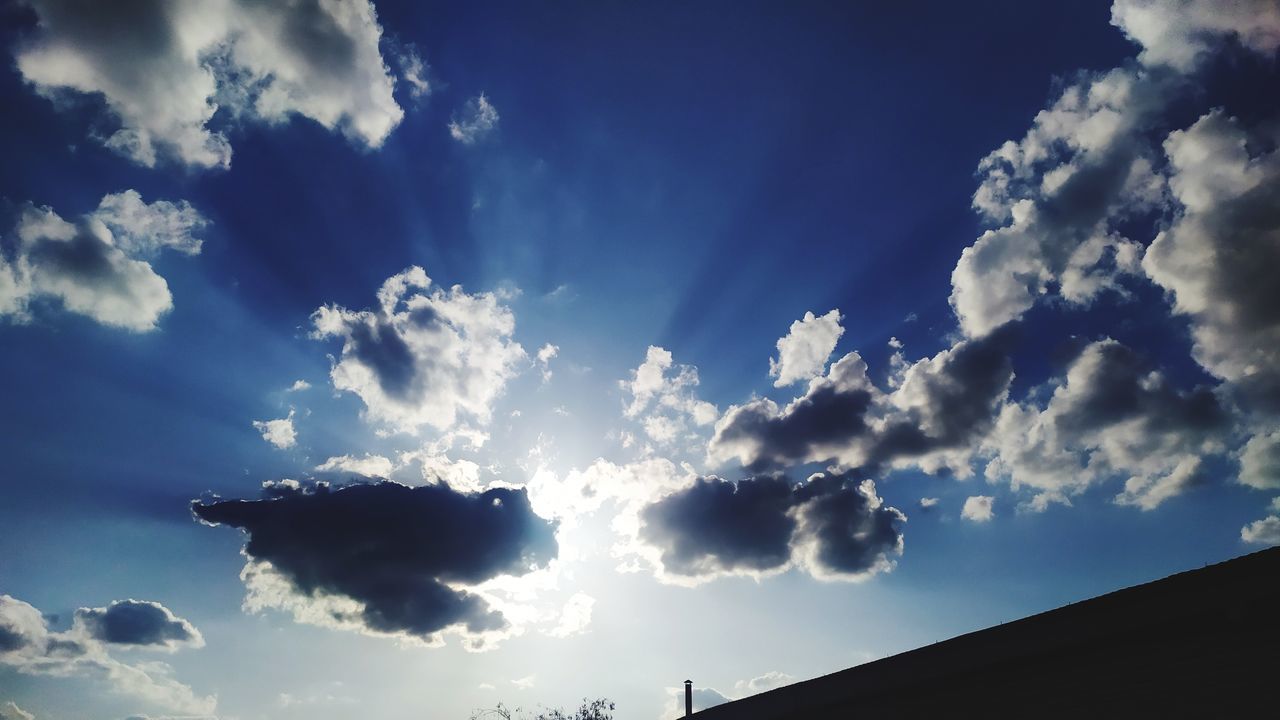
{"points": [[851, 531], [831, 523], [394, 549], [717, 524], [137, 622], [946, 402], [824, 416]]}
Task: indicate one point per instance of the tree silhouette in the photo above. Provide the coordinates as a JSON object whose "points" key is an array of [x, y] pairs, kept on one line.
{"points": [[598, 709]]}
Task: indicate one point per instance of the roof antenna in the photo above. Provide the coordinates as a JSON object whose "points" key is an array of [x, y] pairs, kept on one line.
{"points": [[688, 698]]}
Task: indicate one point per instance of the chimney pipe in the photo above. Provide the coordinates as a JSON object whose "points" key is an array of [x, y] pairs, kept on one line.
{"points": [[688, 698]]}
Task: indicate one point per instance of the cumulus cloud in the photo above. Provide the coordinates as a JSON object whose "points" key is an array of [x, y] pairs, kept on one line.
{"points": [[475, 121], [664, 398], [98, 266], [1262, 532], [762, 683], [139, 623], [831, 525], [299, 386], [279, 432], [1260, 461], [1216, 255], [978, 508], [934, 413], [383, 558], [30, 647], [1088, 164], [1061, 194], [164, 69], [803, 351], [425, 355], [1112, 416], [1178, 33]]}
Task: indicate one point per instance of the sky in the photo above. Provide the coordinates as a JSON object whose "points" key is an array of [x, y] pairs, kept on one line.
{"points": [[394, 360]]}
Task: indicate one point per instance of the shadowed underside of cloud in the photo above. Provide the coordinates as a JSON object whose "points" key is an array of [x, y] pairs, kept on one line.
{"points": [[831, 525], [139, 623], [100, 266], [30, 647], [938, 406], [385, 558], [425, 355], [1112, 416], [164, 68]]}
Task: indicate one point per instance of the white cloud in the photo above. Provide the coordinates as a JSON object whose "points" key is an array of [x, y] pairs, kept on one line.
{"points": [[98, 266], [1178, 33], [525, 682], [544, 356], [424, 356], [299, 386], [803, 351], [1061, 193], [1262, 532], [414, 72], [928, 502], [478, 118], [1260, 461], [77, 653], [165, 68], [369, 465], [280, 432], [978, 508], [762, 683], [663, 397]]}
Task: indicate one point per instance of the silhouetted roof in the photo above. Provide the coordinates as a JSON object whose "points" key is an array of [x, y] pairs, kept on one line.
{"points": [[1204, 643]]}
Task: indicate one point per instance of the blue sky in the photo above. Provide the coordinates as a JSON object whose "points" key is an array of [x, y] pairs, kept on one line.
{"points": [[399, 359]]}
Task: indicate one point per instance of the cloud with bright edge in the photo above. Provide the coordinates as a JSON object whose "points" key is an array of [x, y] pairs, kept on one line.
{"points": [[30, 647], [98, 266], [165, 69]]}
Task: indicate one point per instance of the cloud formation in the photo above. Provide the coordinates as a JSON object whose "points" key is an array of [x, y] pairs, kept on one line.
{"points": [[164, 69], [664, 398], [931, 417], [831, 525], [98, 266], [384, 558], [425, 355], [1112, 416], [30, 647], [803, 351], [978, 508], [139, 623], [475, 121], [279, 432]]}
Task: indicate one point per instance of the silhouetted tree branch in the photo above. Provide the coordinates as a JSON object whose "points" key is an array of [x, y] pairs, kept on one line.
{"points": [[598, 709]]}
